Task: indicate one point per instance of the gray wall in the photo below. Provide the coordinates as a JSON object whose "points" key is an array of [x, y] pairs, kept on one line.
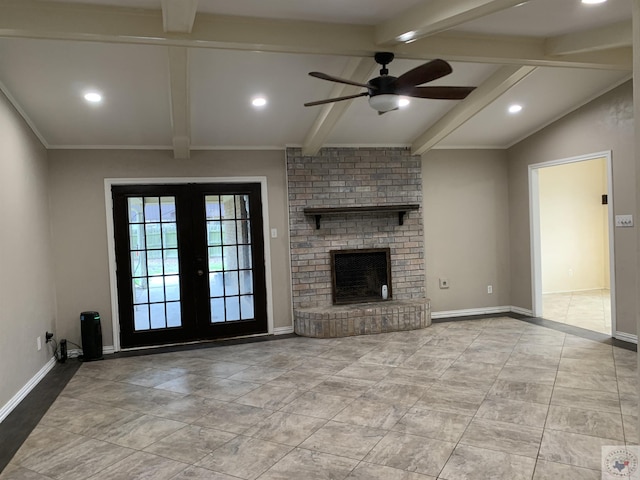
{"points": [[78, 221], [26, 289], [604, 124], [466, 228]]}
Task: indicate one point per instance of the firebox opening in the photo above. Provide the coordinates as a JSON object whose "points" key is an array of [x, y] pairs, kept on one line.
{"points": [[358, 275]]}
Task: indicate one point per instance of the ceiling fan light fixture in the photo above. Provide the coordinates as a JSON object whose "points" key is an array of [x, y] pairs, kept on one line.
{"points": [[593, 2], [384, 102], [403, 102]]}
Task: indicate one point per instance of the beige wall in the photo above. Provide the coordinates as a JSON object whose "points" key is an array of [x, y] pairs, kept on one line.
{"points": [[466, 228], [27, 304], [573, 226], [604, 124], [78, 221]]}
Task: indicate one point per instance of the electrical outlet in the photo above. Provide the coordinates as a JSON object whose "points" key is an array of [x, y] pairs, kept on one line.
{"points": [[39, 343], [489, 288], [443, 282]]}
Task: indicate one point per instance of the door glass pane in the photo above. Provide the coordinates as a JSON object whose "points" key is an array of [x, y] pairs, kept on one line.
{"points": [[138, 264], [156, 289], [173, 314], [244, 256], [246, 307], [231, 283], [229, 232], [169, 235], [141, 317], [170, 261], [230, 258], [242, 206], [151, 209], [140, 290], [244, 233], [232, 306], [155, 266], [216, 288], [227, 207], [135, 210], [167, 209], [214, 233], [154, 238], [158, 319], [172, 288], [246, 281], [154, 262], [212, 207], [136, 236], [217, 310], [215, 259]]}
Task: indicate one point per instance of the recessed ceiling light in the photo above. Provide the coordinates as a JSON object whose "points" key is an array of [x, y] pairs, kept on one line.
{"points": [[515, 108], [93, 97], [403, 102], [259, 102], [592, 2], [407, 37]]}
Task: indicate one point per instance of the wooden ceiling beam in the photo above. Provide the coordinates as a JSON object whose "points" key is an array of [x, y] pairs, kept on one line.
{"points": [[178, 15], [435, 16], [618, 35]]}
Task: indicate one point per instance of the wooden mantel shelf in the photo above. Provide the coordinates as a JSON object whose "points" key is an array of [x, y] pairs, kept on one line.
{"points": [[317, 212]]}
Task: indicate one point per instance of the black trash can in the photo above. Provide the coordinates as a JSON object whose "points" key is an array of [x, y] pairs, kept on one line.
{"points": [[91, 336]]}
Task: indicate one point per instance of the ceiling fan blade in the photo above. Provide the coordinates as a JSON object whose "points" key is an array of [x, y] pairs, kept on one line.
{"points": [[439, 93], [324, 76], [337, 99], [424, 73]]}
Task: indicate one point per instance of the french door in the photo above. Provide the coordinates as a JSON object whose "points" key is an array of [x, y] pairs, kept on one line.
{"points": [[190, 262]]}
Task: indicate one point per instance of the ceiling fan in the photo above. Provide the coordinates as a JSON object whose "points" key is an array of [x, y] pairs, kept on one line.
{"points": [[385, 91]]}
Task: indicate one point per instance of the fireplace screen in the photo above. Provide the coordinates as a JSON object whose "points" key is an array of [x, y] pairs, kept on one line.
{"points": [[359, 275]]}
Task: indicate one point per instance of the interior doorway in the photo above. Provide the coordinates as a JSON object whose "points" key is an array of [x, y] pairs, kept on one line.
{"points": [[571, 225]]}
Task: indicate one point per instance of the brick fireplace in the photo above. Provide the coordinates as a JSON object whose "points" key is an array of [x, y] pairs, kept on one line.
{"points": [[357, 190]]}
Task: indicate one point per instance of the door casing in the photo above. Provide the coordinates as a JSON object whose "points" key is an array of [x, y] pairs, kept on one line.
{"points": [[109, 182]]}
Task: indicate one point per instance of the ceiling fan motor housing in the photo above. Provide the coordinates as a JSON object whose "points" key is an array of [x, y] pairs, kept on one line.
{"points": [[383, 85]]}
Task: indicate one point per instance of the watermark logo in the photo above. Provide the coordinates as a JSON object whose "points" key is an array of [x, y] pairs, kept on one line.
{"points": [[619, 461]]}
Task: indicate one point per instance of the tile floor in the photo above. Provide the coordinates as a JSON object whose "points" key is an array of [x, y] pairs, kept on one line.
{"points": [[483, 399], [589, 309]]}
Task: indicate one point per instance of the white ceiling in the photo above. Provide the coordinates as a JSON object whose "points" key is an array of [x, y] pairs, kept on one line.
{"points": [[51, 53]]}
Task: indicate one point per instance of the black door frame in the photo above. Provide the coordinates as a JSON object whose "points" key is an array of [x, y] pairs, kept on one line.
{"points": [[110, 182]]}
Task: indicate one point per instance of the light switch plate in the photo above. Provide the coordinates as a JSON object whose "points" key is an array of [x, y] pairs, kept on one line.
{"points": [[624, 220]]}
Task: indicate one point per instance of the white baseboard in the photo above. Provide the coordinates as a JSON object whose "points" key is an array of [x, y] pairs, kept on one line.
{"points": [[24, 391], [282, 330], [470, 311], [626, 337]]}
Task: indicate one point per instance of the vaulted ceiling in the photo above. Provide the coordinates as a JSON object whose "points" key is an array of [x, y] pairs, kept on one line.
{"points": [[181, 74]]}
